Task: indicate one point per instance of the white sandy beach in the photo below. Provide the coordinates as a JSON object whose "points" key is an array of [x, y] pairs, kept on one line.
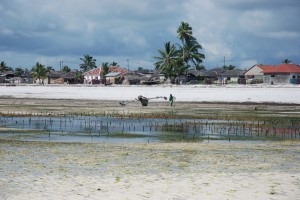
{"points": [[189, 93]]}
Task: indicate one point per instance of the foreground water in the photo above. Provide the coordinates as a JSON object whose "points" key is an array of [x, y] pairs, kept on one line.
{"points": [[123, 129]]}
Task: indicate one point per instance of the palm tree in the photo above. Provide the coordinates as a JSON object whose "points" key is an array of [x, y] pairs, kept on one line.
{"points": [[167, 59], [185, 34], [39, 71], [229, 67], [189, 47], [19, 71], [191, 52], [88, 63], [114, 64], [3, 67], [49, 68], [200, 67], [286, 61], [66, 69], [105, 69]]}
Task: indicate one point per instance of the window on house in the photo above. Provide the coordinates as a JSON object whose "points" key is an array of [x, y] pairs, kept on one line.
{"points": [[273, 75], [294, 76]]}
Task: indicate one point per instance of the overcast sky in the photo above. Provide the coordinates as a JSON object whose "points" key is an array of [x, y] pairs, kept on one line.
{"points": [[130, 32]]}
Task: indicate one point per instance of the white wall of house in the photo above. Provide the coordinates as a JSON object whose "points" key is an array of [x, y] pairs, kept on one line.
{"points": [[295, 75], [255, 72], [277, 78], [89, 78]]}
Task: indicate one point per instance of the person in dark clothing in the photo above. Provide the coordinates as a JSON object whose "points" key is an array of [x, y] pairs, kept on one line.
{"points": [[171, 99]]}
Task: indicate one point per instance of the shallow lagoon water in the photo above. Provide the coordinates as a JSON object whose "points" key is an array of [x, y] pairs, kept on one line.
{"points": [[91, 129]]}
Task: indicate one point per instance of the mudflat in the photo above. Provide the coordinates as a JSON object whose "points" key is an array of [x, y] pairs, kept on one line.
{"points": [[160, 170]]}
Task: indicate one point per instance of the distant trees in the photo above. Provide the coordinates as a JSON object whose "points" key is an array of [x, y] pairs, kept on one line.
{"points": [[4, 67], [88, 63], [66, 69], [228, 67], [19, 71], [114, 64], [174, 61], [50, 68]]}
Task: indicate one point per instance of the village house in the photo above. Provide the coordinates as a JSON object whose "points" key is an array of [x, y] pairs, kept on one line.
{"points": [[255, 73], [282, 74], [95, 76], [233, 76], [113, 78], [215, 75], [7, 77], [54, 77], [132, 78], [60, 77]]}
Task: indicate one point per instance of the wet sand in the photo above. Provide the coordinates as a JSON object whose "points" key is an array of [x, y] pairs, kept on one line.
{"points": [[39, 106]]}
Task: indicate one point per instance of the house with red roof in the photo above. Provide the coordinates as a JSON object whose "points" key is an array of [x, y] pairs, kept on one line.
{"points": [[95, 76], [256, 72], [282, 74]]}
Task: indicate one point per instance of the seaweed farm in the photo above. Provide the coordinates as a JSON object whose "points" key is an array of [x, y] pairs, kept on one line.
{"points": [[96, 128]]}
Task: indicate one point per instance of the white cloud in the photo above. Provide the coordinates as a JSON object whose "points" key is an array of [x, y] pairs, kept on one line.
{"points": [[283, 35]]}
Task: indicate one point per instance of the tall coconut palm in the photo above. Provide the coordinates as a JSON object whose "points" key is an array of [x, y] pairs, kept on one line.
{"points": [[166, 60], [88, 63], [39, 71], [189, 49], [191, 52], [185, 34]]}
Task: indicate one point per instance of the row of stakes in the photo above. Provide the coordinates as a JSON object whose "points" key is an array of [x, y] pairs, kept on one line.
{"points": [[238, 128]]}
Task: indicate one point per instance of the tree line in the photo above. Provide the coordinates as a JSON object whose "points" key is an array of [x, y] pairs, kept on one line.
{"points": [[39, 71]]}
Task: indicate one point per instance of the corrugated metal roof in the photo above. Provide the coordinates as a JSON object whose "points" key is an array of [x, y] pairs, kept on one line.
{"points": [[112, 74]]}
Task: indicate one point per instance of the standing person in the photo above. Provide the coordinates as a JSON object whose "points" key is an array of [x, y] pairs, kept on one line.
{"points": [[171, 99]]}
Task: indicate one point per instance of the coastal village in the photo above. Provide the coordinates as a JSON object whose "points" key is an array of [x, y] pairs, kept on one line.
{"points": [[284, 73]]}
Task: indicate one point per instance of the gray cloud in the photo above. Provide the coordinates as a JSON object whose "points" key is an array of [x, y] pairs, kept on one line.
{"points": [[244, 31]]}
